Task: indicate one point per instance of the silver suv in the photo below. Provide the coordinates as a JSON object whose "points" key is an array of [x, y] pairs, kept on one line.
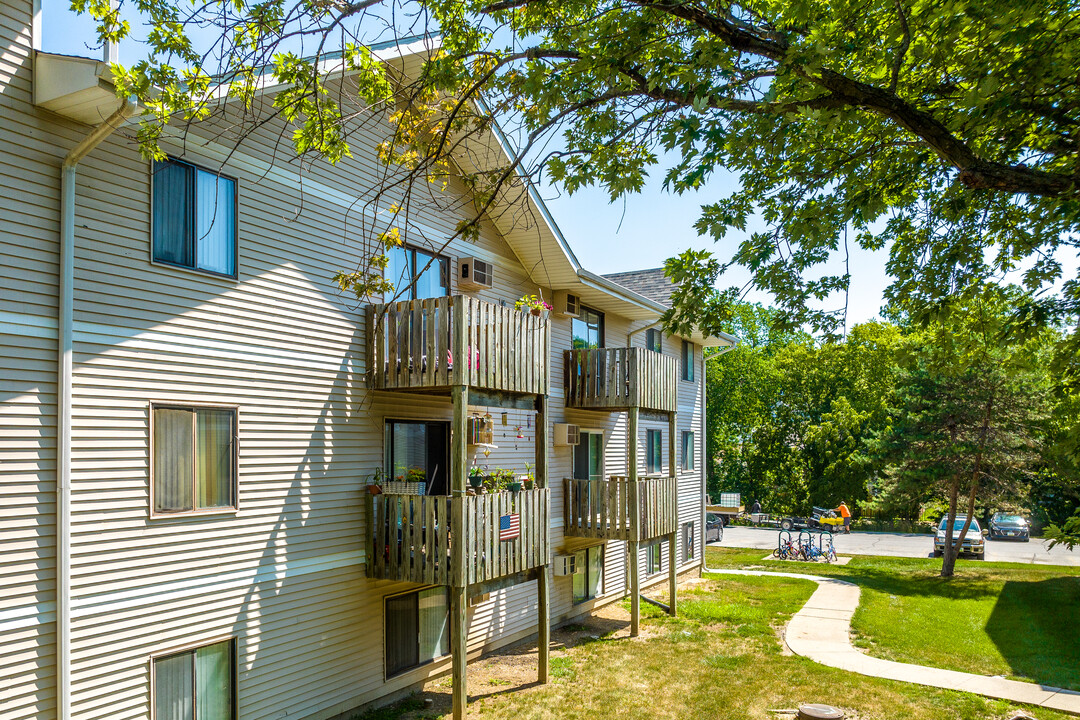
{"points": [[973, 540]]}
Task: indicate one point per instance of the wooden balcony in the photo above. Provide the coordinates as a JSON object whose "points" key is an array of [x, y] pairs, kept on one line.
{"points": [[412, 538], [432, 345], [620, 509], [620, 378]]}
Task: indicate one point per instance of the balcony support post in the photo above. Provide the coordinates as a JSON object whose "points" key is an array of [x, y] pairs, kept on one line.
{"points": [[459, 604], [636, 518], [543, 597], [673, 422]]}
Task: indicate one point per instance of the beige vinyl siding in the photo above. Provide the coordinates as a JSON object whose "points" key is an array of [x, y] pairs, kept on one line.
{"points": [[283, 574], [29, 226]]}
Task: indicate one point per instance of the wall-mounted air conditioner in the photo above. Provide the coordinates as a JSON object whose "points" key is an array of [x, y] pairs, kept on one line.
{"points": [[566, 434], [475, 274], [565, 564], [566, 304]]}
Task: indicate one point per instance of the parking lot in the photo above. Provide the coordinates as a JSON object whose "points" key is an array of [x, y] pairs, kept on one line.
{"points": [[901, 545]]}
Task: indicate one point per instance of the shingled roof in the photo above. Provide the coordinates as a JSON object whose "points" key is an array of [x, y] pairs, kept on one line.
{"points": [[652, 284]]}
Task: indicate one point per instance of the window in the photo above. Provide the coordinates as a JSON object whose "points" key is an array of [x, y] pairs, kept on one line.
{"points": [[193, 215], [416, 274], [587, 329], [654, 340], [417, 629], [419, 446], [654, 454], [588, 570], [195, 684], [688, 541], [688, 361], [589, 457], [193, 459], [654, 559], [687, 450]]}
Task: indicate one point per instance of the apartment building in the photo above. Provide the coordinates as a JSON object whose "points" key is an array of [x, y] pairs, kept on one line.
{"points": [[192, 414]]}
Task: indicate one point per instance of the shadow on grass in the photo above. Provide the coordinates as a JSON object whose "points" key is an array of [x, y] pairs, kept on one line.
{"points": [[1033, 625]]}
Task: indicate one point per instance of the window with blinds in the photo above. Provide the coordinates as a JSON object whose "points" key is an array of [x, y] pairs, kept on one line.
{"points": [[192, 459], [417, 629], [588, 571], [193, 216], [197, 684]]}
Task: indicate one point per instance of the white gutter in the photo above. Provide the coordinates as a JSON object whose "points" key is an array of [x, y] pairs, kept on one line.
{"points": [[66, 302]]}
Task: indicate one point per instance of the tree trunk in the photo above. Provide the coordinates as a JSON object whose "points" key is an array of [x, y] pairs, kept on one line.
{"points": [[948, 561]]}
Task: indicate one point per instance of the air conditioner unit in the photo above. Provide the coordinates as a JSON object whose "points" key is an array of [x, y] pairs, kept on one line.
{"points": [[567, 304], [475, 274], [567, 434], [565, 564]]}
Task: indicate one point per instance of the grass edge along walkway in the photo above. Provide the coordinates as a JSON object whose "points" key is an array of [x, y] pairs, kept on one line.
{"points": [[821, 631]]}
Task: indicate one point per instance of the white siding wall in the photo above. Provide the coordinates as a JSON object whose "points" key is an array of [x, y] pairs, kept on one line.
{"points": [[283, 574]]}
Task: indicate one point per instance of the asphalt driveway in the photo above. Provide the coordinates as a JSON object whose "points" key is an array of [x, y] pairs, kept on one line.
{"points": [[901, 545]]}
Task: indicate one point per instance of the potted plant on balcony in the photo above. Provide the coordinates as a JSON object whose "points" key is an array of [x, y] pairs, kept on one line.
{"points": [[377, 479], [533, 304], [529, 478], [476, 477]]}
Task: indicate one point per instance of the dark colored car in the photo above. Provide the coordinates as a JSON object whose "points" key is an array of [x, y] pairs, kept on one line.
{"points": [[714, 528], [1007, 525]]}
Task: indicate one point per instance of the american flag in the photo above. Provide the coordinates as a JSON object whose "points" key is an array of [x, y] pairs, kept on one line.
{"points": [[509, 526]]}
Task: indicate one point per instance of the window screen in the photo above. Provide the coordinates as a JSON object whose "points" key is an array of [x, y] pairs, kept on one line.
{"points": [[687, 450], [588, 572], [687, 361]]}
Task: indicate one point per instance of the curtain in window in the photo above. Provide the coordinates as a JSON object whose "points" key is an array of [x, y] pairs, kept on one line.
{"points": [[434, 624], [581, 568], [214, 458], [173, 687], [399, 273], [215, 225], [213, 682], [172, 460], [430, 276], [596, 569], [172, 213], [401, 633]]}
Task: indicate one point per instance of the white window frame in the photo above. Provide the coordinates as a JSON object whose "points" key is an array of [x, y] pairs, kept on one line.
{"points": [[195, 512]]}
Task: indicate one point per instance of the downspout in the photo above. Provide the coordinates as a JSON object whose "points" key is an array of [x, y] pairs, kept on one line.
{"points": [[65, 315]]}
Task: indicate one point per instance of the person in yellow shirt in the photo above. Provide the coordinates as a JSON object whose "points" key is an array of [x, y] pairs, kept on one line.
{"points": [[846, 514]]}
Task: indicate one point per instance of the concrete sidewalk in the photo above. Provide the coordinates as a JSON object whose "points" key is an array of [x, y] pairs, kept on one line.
{"points": [[821, 631]]}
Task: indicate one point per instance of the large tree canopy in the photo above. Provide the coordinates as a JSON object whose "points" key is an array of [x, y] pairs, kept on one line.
{"points": [[947, 130]]}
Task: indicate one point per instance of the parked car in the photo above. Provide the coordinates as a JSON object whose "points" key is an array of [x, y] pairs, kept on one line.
{"points": [[973, 540], [1006, 525], [714, 528]]}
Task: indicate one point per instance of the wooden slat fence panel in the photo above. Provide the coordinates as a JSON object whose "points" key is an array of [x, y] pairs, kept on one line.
{"points": [[439, 342], [618, 509], [617, 378], [412, 536]]}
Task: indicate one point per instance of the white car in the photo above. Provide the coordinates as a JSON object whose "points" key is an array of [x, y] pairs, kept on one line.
{"points": [[973, 540]]}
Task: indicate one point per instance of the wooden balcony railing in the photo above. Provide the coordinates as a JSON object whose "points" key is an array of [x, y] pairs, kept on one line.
{"points": [[618, 509], [412, 538], [442, 342], [613, 378]]}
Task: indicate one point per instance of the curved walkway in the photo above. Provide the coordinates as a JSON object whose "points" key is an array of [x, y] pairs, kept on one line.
{"points": [[821, 631]]}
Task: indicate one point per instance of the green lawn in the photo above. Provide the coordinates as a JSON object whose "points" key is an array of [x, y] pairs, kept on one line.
{"points": [[722, 658], [992, 618]]}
